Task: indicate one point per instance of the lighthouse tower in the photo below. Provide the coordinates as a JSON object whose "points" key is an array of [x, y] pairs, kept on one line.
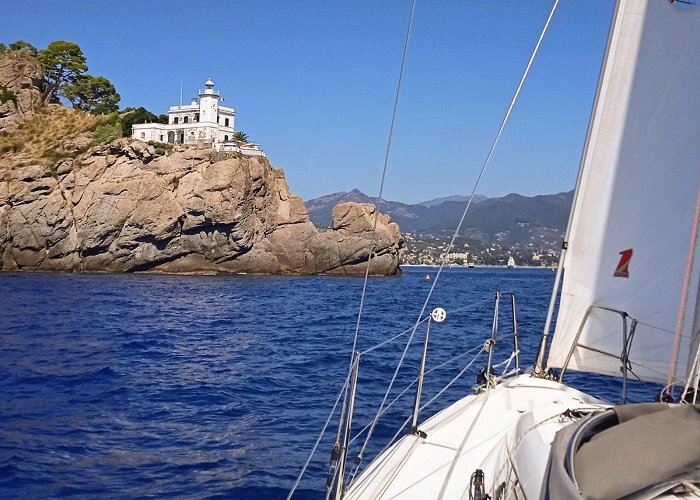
{"points": [[209, 103], [202, 122]]}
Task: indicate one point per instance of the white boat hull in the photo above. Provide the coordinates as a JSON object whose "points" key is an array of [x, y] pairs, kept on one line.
{"points": [[505, 431]]}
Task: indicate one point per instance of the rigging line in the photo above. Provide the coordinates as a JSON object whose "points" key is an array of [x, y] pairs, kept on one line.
{"points": [[323, 431], [358, 460], [413, 382], [379, 200], [391, 384], [680, 320], [407, 330], [466, 353], [384, 170], [491, 151], [470, 306], [693, 377], [386, 408], [387, 341], [449, 384], [659, 328]]}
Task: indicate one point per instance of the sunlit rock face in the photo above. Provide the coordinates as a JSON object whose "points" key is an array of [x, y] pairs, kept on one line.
{"points": [[121, 207]]}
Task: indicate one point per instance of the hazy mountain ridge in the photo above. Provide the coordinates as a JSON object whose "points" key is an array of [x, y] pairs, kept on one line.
{"points": [[509, 220], [457, 197], [320, 209]]}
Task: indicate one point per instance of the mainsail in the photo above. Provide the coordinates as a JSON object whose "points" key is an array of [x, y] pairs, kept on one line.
{"points": [[631, 243]]}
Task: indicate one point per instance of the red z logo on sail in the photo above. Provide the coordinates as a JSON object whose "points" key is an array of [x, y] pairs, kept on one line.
{"points": [[621, 270]]}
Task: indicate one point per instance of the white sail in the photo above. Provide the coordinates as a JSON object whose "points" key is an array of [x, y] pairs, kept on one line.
{"points": [[629, 245]]}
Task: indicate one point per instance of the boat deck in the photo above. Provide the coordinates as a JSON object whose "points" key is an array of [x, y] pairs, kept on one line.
{"points": [[484, 431]]}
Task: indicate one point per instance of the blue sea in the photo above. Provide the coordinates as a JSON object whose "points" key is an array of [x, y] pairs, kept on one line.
{"points": [[218, 386]]}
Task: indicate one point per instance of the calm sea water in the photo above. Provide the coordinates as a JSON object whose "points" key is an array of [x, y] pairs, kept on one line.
{"points": [[218, 386]]}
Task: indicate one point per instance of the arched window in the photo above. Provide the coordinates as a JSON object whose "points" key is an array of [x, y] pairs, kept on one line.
{"points": [[226, 122], [186, 119], [226, 138], [143, 135], [175, 120]]}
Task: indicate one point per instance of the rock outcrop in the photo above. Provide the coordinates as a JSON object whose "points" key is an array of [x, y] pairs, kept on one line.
{"points": [[122, 208], [20, 81]]}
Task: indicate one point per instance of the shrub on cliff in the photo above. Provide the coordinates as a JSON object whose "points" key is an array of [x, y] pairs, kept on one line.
{"points": [[107, 130], [7, 95], [21, 45]]}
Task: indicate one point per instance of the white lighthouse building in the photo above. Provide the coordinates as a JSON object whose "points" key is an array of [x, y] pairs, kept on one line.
{"points": [[203, 121]]}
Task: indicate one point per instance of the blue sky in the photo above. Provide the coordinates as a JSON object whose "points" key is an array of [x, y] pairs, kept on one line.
{"points": [[313, 82]]}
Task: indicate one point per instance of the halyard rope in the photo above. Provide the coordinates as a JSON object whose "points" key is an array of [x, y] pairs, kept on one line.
{"points": [[680, 319]]}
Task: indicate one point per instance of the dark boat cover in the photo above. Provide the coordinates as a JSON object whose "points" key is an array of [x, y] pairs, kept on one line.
{"points": [[628, 451]]}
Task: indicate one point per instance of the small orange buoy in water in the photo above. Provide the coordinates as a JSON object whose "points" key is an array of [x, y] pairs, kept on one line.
{"points": [[427, 277]]}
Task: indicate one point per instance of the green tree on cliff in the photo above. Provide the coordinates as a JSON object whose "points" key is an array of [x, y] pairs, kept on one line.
{"points": [[240, 136], [63, 64], [95, 94]]}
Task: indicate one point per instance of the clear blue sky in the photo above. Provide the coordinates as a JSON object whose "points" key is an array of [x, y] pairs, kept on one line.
{"points": [[313, 82]]}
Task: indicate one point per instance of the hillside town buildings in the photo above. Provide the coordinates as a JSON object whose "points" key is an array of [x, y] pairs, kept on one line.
{"points": [[204, 121]]}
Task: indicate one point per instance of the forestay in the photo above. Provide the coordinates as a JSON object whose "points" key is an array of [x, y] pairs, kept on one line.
{"points": [[630, 244]]}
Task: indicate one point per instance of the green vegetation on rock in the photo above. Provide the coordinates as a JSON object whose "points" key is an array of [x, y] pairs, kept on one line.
{"points": [[21, 45], [7, 95], [108, 130]]}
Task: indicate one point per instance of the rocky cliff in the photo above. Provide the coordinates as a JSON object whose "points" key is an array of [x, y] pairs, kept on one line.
{"points": [[125, 206], [120, 207]]}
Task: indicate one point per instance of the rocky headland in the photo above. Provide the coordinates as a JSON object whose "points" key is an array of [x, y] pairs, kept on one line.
{"points": [[73, 205]]}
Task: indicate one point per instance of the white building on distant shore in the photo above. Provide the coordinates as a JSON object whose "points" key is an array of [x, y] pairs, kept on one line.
{"points": [[203, 121]]}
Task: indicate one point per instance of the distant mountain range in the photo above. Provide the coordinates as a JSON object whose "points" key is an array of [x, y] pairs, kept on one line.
{"points": [[512, 220]]}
